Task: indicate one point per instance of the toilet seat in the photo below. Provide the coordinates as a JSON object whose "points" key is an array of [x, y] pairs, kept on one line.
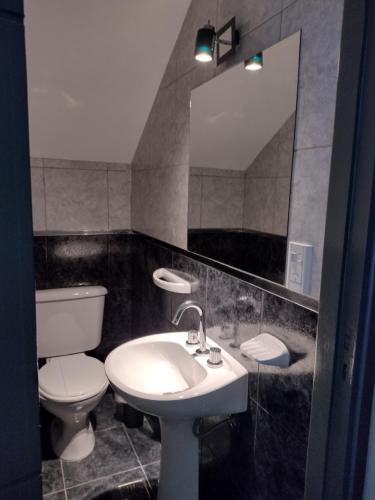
{"points": [[72, 378]]}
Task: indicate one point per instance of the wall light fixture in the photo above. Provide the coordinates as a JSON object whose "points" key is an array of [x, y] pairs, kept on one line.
{"points": [[207, 38]]}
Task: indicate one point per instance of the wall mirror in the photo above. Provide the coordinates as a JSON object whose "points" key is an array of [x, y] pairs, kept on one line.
{"points": [[242, 126]]}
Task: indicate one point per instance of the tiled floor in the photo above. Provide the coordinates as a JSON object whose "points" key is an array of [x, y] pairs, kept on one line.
{"points": [[123, 466]]}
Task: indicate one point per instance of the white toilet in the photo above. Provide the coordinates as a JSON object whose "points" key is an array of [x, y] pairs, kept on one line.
{"points": [[71, 384]]}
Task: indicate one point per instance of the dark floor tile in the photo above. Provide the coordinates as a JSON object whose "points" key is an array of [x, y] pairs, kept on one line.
{"points": [[60, 495], [152, 471], [103, 415], [107, 488], [147, 448], [112, 454], [77, 260], [52, 476], [139, 491]]}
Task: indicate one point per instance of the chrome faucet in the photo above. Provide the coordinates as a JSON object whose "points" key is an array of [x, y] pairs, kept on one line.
{"points": [[191, 304]]}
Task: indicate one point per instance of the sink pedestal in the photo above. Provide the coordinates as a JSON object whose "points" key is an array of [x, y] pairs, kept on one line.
{"points": [[179, 467]]}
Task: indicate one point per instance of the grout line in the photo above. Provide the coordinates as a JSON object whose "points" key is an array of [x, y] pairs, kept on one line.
{"points": [[102, 477], [136, 454], [63, 478], [45, 196], [117, 426], [254, 28], [308, 148], [151, 463], [255, 429], [107, 177], [131, 444], [201, 203], [52, 493]]}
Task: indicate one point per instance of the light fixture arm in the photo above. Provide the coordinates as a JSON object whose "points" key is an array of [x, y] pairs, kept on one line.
{"points": [[223, 42]]}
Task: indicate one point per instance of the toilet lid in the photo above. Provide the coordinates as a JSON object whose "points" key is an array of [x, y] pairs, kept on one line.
{"points": [[72, 378]]}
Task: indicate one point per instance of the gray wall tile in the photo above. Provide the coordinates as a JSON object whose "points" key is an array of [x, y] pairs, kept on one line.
{"points": [[309, 204], [38, 199], [160, 203], [222, 202], [267, 162], [259, 204], [75, 164], [166, 137], [249, 14], [63, 211], [36, 162], [76, 199], [119, 199], [195, 200], [321, 22], [281, 207], [216, 172]]}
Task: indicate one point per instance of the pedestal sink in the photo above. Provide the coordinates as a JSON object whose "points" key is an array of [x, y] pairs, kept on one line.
{"points": [[161, 375]]}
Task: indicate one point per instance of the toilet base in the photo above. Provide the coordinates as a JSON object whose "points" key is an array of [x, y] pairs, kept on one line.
{"points": [[72, 441]]}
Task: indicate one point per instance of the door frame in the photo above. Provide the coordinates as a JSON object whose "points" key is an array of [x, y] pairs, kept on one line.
{"points": [[345, 359]]}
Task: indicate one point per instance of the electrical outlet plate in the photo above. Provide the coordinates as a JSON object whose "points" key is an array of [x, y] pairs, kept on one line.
{"points": [[299, 267]]}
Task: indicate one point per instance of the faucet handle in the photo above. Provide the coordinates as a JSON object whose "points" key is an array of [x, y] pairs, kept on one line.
{"points": [[192, 337], [214, 358]]}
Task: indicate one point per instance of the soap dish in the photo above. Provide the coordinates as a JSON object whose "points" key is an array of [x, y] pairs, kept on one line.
{"points": [[266, 350], [175, 281]]}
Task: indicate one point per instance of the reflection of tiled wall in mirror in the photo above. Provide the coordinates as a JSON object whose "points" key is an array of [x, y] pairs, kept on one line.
{"points": [[267, 186], [255, 199]]}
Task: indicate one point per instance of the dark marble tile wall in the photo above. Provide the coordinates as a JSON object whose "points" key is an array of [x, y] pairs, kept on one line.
{"points": [[257, 253], [262, 453], [65, 261]]}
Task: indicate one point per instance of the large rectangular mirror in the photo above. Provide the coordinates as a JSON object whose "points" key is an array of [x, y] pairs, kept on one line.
{"points": [[241, 155]]}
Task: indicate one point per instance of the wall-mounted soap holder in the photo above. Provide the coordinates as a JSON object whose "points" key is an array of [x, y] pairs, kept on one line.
{"points": [[266, 350], [175, 281]]}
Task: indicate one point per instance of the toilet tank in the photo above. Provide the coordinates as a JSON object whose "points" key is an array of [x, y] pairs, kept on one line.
{"points": [[69, 320]]}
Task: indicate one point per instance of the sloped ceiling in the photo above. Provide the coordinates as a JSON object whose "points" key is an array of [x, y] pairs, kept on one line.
{"points": [[234, 115], [94, 68]]}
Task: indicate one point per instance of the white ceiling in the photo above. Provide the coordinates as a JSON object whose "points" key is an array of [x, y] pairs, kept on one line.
{"points": [[94, 68], [234, 115]]}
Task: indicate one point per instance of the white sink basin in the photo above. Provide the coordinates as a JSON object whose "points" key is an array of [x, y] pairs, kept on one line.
{"points": [[161, 375]]}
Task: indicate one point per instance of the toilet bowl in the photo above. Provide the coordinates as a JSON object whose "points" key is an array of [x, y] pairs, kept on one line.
{"points": [[70, 387], [71, 383]]}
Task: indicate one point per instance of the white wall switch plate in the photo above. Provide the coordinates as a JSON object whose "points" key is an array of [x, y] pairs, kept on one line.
{"points": [[299, 267]]}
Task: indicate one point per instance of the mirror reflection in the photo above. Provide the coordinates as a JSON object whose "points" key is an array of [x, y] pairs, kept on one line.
{"points": [[241, 155]]}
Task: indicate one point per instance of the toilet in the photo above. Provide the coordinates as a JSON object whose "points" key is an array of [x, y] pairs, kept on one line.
{"points": [[71, 383]]}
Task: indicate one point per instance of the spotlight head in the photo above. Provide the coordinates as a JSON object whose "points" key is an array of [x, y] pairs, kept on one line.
{"points": [[205, 43], [254, 63]]}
